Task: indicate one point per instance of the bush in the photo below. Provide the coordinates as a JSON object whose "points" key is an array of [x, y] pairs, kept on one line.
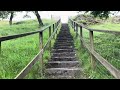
{"points": [[116, 19], [87, 19]]}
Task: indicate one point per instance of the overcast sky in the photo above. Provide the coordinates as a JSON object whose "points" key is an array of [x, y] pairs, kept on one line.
{"points": [[47, 14]]}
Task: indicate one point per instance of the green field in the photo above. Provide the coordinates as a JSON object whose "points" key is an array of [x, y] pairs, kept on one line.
{"points": [[17, 53], [107, 45]]}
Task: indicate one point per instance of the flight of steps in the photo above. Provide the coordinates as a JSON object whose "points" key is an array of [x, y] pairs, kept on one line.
{"points": [[63, 63]]}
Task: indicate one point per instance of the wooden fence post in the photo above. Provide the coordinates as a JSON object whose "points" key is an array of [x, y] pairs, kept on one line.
{"points": [[53, 30], [41, 47], [49, 37], [76, 30], [92, 48], [0, 48], [81, 36], [56, 31], [74, 26], [71, 23]]}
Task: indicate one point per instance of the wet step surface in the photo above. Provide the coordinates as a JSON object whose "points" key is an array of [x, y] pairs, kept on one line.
{"points": [[63, 63]]}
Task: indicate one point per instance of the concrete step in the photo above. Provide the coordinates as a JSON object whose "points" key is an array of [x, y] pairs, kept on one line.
{"points": [[62, 64], [64, 54], [66, 77], [73, 72], [53, 58], [63, 47], [64, 36], [61, 37], [64, 41], [63, 44], [60, 77], [62, 50]]}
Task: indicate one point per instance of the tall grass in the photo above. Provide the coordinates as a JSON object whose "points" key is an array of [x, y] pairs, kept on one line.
{"points": [[17, 53], [107, 45]]}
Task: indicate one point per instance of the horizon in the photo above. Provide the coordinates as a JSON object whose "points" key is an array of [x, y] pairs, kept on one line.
{"points": [[46, 15]]}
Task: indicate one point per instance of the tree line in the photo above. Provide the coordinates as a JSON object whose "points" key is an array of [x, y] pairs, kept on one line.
{"points": [[5, 14]]}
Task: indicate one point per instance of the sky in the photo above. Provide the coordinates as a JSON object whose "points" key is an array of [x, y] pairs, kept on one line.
{"points": [[47, 14]]}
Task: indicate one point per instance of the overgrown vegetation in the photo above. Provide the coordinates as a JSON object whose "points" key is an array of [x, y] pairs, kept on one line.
{"points": [[87, 19], [17, 53], [107, 45]]}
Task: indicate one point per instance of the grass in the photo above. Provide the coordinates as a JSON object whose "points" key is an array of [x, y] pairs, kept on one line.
{"points": [[107, 45], [24, 26], [107, 26], [17, 53]]}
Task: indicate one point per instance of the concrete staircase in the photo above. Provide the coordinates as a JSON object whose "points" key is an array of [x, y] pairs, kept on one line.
{"points": [[63, 63]]}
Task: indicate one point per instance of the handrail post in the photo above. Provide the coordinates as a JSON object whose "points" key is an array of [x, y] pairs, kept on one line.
{"points": [[92, 48], [81, 36], [49, 37], [74, 26], [56, 27], [53, 30], [71, 23], [41, 47], [76, 30], [0, 48]]}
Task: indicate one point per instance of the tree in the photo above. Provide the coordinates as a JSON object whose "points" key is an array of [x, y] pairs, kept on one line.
{"points": [[5, 14], [37, 15], [101, 14], [11, 17], [38, 18]]}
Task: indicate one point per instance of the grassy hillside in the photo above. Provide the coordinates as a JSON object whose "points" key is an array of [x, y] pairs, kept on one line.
{"points": [[107, 26], [17, 53], [107, 45], [20, 27]]}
